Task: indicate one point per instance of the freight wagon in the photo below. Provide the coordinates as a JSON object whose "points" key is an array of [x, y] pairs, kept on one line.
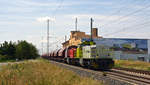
{"points": [[86, 54]]}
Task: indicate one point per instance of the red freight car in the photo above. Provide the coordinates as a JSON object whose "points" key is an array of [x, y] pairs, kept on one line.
{"points": [[70, 52], [52, 54], [61, 53], [55, 53]]}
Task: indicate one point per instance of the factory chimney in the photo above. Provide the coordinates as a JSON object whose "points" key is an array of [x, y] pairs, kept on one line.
{"points": [[94, 32]]}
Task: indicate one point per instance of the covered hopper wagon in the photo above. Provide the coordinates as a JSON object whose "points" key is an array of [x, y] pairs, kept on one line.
{"points": [[86, 54]]}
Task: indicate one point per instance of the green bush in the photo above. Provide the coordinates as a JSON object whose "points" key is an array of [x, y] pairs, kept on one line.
{"points": [[20, 50], [25, 50]]}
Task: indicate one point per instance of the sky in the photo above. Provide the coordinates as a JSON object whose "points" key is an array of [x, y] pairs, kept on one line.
{"points": [[26, 19]]}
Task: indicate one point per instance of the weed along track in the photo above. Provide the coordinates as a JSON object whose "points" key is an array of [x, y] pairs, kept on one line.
{"points": [[111, 77], [41, 72]]}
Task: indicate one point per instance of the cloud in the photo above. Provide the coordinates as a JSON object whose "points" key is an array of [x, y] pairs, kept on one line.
{"points": [[41, 19], [19, 17], [88, 2], [68, 3], [31, 3], [42, 3]]}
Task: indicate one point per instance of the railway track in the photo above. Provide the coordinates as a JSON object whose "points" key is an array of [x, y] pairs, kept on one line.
{"points": [[133, 70], [112, 77], [135, 78]]}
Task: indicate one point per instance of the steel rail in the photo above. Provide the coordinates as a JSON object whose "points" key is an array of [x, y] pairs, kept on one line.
{"points": [[116, 75]]}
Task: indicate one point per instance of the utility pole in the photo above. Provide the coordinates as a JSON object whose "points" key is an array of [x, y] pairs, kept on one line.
{"points": [[91, 29], [76, 24], [42, 45], [48, 37], [65, 38]]}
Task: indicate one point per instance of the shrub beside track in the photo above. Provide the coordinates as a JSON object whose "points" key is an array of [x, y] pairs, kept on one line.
{"points": [[40, 72]]}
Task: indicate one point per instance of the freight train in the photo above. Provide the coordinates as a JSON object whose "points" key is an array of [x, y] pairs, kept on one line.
{"points": [[87, 54]]}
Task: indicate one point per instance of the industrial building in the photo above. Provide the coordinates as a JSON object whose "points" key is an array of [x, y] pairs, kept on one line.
{"points": [[77, 36], [126, 48], [123, 48]]}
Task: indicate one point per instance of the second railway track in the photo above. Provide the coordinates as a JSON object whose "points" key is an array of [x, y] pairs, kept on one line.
{"points": [[135, 78], [112, 77]]}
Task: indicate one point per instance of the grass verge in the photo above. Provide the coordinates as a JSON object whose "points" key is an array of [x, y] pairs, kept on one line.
{"points": [[41, 72], [133, 64], [3, 61]]}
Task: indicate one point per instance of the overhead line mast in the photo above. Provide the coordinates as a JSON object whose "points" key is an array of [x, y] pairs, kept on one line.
{"points": [[48, 37], [76, 24], [42, 46], [65, 38], [91, 29]]}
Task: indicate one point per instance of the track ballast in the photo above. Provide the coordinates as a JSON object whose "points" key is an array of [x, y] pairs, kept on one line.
{"points": [[111, 77]]}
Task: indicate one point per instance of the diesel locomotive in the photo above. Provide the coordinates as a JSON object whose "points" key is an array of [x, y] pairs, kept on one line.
{"points": [[87, 54]]}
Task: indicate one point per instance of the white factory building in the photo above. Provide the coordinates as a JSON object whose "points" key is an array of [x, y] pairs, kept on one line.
{"points": [[126, 48]]}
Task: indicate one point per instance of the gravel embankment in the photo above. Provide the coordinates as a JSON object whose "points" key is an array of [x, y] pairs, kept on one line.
{"points": [[81, 71]]}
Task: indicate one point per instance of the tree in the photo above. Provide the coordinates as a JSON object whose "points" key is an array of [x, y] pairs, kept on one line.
{"points": [[7, 50], [25, 50], [21, 50]]}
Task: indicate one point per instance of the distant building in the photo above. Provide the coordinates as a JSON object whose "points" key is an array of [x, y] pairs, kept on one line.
{"points": [[77, 36], [126, 48], [123, 48]]}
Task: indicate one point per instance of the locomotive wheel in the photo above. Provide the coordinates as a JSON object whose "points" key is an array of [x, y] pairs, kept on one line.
{"points": [[95, 65]]}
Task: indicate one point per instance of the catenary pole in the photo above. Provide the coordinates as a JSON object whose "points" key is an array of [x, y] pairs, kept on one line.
{"points": [[48, 37], [91, 29], [76, 23], [42, 45]]}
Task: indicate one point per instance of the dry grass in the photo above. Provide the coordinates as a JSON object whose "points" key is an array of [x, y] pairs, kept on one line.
{"points": [[41, 73], [133, 64]]}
